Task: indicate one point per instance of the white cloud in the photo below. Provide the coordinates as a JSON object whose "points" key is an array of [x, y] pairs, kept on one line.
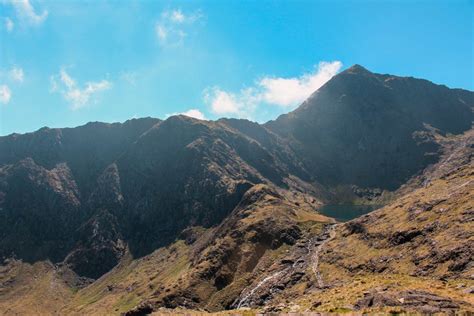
{"points": [[9, 25], [27, 13], [77, 97], [12, 76], [195, 113], [67, 80], [16, 74], [161, 32], [172, 26], [285, 92], [5, 94], [222, 102], [177, 16], [240, 105], [292, 91]]}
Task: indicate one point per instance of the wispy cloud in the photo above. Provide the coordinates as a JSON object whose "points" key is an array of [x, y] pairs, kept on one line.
{"points": [[5, 94], [77, 97], [16, 74], [279, 91], [195, 113], [13, 75], [9, 78], [26, 12], [177, 16], [172, 26], [9, 25]]}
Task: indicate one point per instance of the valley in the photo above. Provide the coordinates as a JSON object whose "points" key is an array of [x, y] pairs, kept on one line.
{"points": [[361, 200]]}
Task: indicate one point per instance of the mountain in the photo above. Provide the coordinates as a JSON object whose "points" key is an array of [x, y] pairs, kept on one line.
{"points": [[412, 256], [373, 130], [214, 215], [99, 190]]}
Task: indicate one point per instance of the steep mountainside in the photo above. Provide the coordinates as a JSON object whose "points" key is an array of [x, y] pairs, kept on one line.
{"points": [[373, 130], [273, 253], [87, 149], [214, 215], [414, 255], [186, 172], [154, 182], [205, 268]]}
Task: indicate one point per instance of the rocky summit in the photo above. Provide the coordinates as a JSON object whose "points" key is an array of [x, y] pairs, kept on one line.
{"points": [[192, 216]]}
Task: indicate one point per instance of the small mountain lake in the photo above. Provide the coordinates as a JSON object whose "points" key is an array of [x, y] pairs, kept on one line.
{"points": [[346, 212]]}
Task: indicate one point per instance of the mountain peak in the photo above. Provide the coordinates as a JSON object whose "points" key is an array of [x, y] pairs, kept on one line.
{"points": [[357, 69], [367, 109]]}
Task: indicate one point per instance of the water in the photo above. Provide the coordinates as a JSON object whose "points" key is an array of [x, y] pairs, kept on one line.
{"points": [[346, 212], [243, 301]]}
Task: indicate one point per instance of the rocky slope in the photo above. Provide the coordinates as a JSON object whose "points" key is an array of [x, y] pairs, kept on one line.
{"points": [[413, 255], [204, 269], [274, 253], [87, 149], [177, 173], [373, 130], [215, 215]]}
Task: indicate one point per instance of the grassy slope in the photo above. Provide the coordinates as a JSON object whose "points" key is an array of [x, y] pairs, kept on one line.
{"points": [[437, 260], [130, 282], [353, 263], [27, 289], [234, 249]]}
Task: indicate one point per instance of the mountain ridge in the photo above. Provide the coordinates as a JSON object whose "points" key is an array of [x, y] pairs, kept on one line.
{"points": [[224, 201], [354, 110]]}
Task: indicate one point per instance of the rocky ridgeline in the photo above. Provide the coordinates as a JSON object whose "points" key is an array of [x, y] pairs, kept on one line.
{"points": [[99, 196]]}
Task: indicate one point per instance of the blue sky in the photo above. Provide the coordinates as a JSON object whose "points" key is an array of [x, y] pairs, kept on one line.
{"points": [[64, 63]]}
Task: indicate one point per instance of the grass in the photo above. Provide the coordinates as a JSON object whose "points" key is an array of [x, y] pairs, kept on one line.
{"points": [[234, 249]]}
